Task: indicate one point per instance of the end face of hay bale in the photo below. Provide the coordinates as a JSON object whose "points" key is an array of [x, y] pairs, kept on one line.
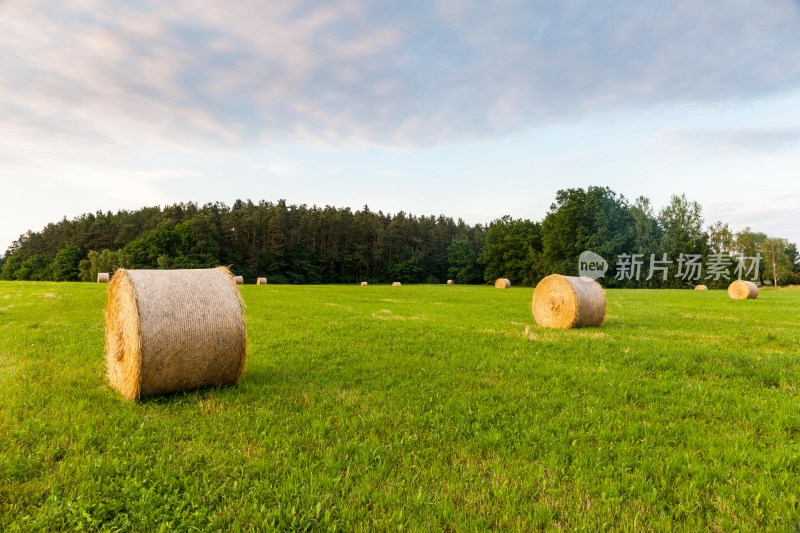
{"points": [[261, 281], [450, 282], [103, 277], [239, 280], [568, 302], [364, 283], [700, 288], [396, 284], [173, 330], [502, 283], [743, 290]]}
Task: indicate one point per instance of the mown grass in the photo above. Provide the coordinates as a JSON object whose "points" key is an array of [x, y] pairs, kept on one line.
{"points": [[418, 408]]}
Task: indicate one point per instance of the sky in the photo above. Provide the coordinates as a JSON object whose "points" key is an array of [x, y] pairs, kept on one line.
{"points": [[470, 109]]}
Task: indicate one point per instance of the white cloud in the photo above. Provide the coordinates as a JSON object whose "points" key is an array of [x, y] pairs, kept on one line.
{"points": [[358, 72]]}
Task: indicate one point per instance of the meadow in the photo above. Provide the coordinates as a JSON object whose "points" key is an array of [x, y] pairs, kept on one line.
{"points": [[419, 408]]}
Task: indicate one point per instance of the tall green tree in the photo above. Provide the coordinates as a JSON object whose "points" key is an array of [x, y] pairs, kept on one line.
{"points": [[510, 248], [104, 261], [65, 265], [35, 267], [748, 244], [794, 258], [595, 219], [646, 232], [682, 237], [777, 265], [462, 261], [720, 238], [681, 223]]}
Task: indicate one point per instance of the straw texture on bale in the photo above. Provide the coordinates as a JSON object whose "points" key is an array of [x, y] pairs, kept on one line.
{"points": [[396, 284], [239, 280], [364, 283], [450, 281], [103, 277], [700, 288], [743, 290], [261, 281], [502, 283], [568, 302], [173, 330]]}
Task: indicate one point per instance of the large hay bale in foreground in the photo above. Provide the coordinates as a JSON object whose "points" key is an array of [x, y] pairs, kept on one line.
{"points": [[396, 284], [502, 283], [700, 288], [173, 330], [568, 302], [261, 281], [743, 290], [103, 277], [239, 280]]}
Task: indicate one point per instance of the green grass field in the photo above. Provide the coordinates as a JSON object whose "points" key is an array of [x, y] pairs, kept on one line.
{"points": [[419, 408]]}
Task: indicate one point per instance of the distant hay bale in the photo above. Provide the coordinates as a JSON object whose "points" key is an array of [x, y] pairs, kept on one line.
{"points": [[568, 302], [261, 281], [700, 288], [173, 330], [743, 290], [103, 277], [364, 283], [239, 280], [450, 282], [396, 284], [502, 283]]}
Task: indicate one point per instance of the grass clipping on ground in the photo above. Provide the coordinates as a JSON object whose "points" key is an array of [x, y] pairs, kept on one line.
{"points": [[173, 330], [568, 302]]}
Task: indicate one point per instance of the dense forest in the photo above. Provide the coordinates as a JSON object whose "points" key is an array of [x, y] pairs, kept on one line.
{"points": [[301, 244]]}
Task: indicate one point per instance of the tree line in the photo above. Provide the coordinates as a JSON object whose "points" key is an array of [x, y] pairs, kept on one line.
{"points": [[301, 244]]}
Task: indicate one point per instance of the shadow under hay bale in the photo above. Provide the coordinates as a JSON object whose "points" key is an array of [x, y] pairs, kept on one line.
{"points": [[502, 283], [743, 290], [568, 302], [173, 330]]}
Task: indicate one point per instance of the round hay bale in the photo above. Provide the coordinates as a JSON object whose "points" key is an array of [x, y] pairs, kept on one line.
{"points": [[364, 283], [396, 284], [173, 330], [239, 280], [261, 281], [743, 290], [103, 277], [450, 282], [568, 302], [700, 288], [502, 283]]}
